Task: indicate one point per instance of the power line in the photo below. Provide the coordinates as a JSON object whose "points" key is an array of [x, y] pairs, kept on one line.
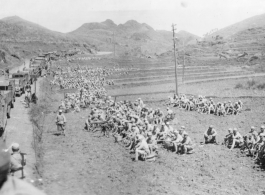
{"points": [[114, 44]]}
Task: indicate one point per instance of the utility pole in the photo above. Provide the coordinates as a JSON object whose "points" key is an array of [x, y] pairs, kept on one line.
{"points": [[35, 86], [175, 58], [183, 62], [113, 44]]}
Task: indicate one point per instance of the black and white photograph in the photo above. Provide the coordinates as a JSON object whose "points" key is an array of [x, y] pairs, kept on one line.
{"points": [[132, 97]]}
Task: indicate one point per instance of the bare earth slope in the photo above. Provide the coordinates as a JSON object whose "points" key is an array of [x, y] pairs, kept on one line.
{"points": [[253, 22], [21, 39]]}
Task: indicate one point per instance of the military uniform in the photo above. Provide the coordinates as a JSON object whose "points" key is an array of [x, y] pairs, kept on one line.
{"points": [[60, 121]]}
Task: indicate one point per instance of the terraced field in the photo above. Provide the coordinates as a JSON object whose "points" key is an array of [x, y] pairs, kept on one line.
{"points": [[153, 74], [157, 73]]}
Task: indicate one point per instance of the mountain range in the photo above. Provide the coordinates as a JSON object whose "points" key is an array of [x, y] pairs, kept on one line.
{"points": [[131, 36], [20, 38]]}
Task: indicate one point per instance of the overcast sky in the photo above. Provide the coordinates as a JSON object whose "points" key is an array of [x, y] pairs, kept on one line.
{"points": [[195, 16]]}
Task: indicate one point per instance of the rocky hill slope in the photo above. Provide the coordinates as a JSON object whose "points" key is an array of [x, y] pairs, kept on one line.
{"points": [[132, 37], [253, 22], [21, 39]]}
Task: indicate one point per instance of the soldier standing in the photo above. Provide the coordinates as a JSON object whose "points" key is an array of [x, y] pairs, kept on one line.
{"points": [[60, 122], [12, 185], [18, 160]]}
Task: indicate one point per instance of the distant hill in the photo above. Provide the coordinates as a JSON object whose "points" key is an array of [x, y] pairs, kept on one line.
{"points": [[21, 39], [253, 22], [183, 36], [131, 37]]}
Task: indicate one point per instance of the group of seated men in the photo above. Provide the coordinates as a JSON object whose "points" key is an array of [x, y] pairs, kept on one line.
{"points": [[253, 142], [140, 128], [204, 105]]}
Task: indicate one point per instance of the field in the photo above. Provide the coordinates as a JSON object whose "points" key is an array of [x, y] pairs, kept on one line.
{"points": [[87, 163]]}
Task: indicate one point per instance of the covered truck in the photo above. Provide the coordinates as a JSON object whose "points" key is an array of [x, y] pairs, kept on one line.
{"points": [[6, 102], [21, 79]]}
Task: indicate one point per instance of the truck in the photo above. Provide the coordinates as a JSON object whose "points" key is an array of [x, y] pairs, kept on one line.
{"points": [[6, 103], [31, 72], [21, 79], [8, 86], [19, 86], [7, 94]]}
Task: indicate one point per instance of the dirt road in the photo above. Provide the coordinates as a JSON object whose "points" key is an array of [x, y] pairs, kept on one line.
{"points": [[19, 130]]}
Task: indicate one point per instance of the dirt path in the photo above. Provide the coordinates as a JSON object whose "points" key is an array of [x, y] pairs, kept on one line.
{"points": [[19, 130]]}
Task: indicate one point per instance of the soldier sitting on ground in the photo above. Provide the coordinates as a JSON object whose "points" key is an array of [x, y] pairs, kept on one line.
{"points": [[250, 139], [177, 139], [228, 138], [237, 139], [210, 135], [151, 141], [186, 145], [141, 148]]}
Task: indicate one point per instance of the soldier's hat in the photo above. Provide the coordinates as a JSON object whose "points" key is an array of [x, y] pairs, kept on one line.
{"points": [[15, 146]]}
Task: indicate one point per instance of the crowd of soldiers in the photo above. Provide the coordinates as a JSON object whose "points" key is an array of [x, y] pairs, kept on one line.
{"points": [[253, 143], [143, 130], [206, 105], [139, 127]]}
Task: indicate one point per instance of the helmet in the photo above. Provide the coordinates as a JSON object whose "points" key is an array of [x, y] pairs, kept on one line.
{"points": [[15, 146]]}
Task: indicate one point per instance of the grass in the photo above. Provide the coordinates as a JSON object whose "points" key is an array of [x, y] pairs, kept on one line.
{"points": [[251, 84], [239, 86], [37, 115]]}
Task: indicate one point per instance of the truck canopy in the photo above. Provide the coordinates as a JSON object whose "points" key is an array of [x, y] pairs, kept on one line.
{"points": [[4, 85], [19, 75]]}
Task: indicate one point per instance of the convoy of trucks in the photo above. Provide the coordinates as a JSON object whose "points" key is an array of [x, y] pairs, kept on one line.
{"points": [[11, 86]]}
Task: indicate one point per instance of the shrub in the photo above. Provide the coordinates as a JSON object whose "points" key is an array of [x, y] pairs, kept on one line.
{"points": [[261, 86], [251, 83], [239, 86]]}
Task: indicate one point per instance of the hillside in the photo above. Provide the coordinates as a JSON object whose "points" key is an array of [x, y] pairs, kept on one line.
{"points": [[131, 38], [253, 22], [21, 39]]}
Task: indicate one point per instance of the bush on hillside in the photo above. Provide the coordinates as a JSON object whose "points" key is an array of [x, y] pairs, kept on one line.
{"points": [[261, 86], [251, 83], [239, 86]]}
